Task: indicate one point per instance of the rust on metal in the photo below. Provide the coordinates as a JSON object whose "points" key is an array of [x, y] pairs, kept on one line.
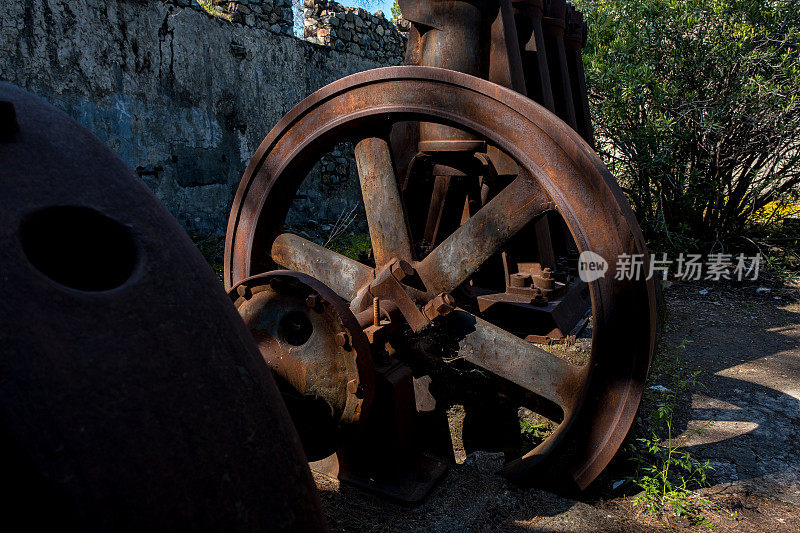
{"points": [[342, 274], [385, 216], [480, 189], [319, 350], [557, 170]]}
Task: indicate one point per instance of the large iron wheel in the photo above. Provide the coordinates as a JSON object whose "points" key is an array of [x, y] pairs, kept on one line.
{"points": [[558, 170]]}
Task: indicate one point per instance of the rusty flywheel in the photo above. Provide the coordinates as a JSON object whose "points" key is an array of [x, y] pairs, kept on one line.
{"points": [[418, 282]]}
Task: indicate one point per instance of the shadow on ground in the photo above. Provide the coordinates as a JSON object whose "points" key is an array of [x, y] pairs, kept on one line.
{"points": [[746, 344]]}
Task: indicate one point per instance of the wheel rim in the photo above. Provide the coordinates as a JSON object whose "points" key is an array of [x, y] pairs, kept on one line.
{"points": [[555, 158]]}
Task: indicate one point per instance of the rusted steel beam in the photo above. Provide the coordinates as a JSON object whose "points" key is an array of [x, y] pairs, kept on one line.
{"points": [[386, 219], [516, 360], [505, 62], [528, 16], [342, 274], [553, 24], [574, 41], [483, 235]]}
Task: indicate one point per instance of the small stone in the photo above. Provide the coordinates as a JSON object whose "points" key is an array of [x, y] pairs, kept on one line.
{"points": [[486, 462]]}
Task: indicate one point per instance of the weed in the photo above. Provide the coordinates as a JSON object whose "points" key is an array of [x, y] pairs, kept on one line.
{"points": [[213, 8], [666, 474], [353, 246], [782, 262], [533, 430]]}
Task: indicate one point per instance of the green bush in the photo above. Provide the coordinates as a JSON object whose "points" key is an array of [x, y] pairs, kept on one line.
{"points": [[696, 110]]}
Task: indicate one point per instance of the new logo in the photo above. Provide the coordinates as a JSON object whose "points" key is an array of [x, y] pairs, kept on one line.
{"points": [[591, 267]]}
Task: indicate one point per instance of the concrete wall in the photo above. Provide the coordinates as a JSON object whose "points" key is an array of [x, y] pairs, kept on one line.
{"points": [[182, 97]]}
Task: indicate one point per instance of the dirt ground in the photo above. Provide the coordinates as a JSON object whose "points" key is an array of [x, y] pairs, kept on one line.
{"points": [[745, 341]]}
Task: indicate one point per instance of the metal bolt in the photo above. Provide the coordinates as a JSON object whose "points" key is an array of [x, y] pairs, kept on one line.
{"points": [[244, 291], [401, 269], [353, 387], [442, 305], [342, 339], [547, 273], [8, 122], [376, 311]]}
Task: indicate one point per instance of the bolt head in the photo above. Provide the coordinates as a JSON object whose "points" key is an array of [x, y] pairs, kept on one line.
{"points": [[244, 291], [342, 339], [401, 269], [442, 305]]}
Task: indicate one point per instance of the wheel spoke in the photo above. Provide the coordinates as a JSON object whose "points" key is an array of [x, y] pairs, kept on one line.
{"points": [[342, 274], [472, 244], [388, 228], [516, 360]]}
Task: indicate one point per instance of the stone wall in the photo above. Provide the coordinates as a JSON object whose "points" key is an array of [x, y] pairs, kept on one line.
{"points": [[276, 15], [353, 30], [182, 97]]}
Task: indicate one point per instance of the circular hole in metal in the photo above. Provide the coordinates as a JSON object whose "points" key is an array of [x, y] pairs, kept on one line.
{"points": [[295, 328], [79, 248]]}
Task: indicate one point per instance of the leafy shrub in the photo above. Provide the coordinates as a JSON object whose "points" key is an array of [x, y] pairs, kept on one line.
{"points": [[696, 109]]}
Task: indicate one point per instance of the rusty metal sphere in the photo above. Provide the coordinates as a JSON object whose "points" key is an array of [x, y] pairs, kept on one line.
{"points": [[132, 396], [558, 170]]}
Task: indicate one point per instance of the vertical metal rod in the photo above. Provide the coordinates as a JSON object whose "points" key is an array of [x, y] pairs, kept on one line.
{"points": [[528, 14], [553, 25]]}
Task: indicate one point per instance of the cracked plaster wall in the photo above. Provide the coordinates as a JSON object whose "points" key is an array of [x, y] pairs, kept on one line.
{"points": [[182, 97]]}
